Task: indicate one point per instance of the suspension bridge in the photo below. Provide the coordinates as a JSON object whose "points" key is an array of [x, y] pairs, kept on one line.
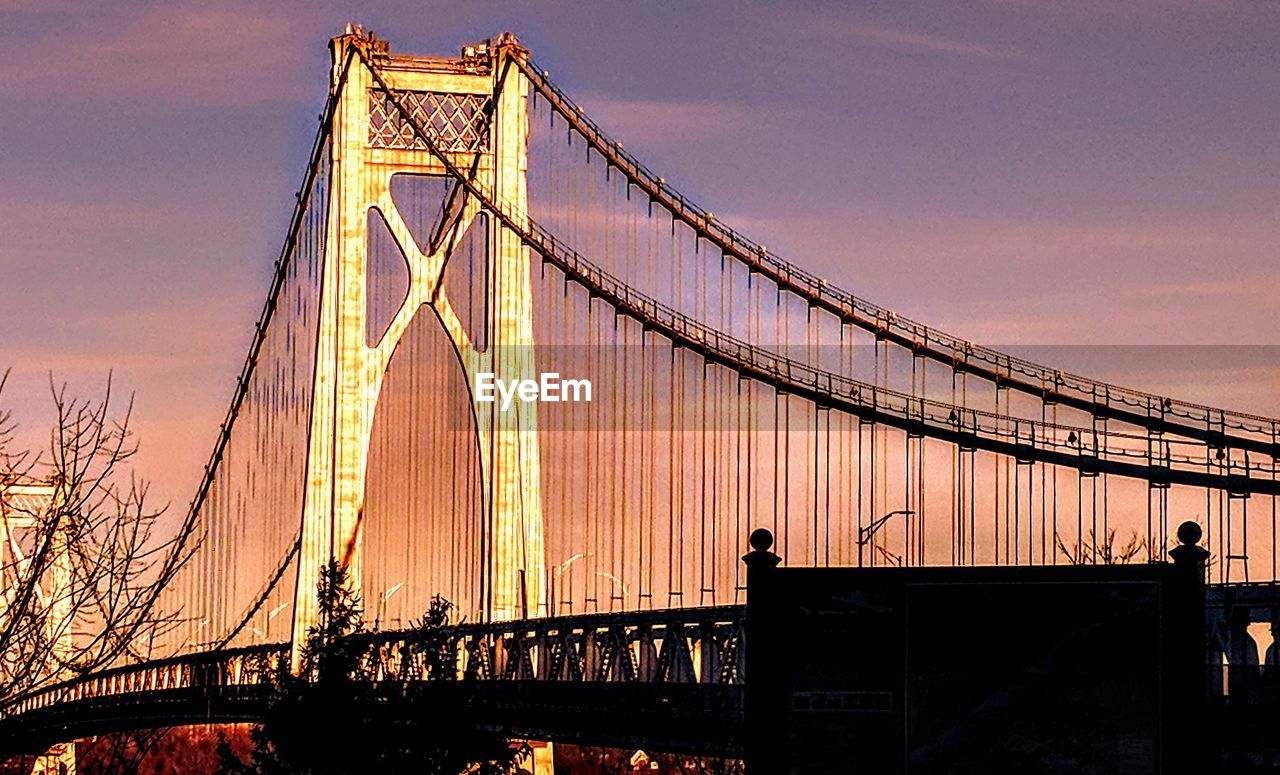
{"points": [[463, 219]]}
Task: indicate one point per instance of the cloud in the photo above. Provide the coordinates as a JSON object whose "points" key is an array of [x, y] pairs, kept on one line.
{"points": [[1186, 279], [907, 40], [931, 239], [162, 58], [658, 121], [1200, 289]]}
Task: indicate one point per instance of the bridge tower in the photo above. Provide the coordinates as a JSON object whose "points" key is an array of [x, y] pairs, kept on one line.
{"points": [[25, 508], [474, 110]]}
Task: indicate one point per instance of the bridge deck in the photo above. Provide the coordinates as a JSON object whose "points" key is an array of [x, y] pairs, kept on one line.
{"points": [[662, 679], [666, 680]]}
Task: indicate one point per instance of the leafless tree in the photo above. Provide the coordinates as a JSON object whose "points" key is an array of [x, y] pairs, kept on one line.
{"points": [[1107, 551], [82, 577]]}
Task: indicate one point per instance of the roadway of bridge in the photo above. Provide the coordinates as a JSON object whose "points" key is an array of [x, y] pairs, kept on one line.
{"points": [[663, 680], [668, 680]]}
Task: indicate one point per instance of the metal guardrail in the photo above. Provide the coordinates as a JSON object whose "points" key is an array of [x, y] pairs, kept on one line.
{"points": [[248, 666], [688, 645]]}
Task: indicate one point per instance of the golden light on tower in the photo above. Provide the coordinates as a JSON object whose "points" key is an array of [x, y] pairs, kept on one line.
{"points": [[372, 141], [26, 511]]}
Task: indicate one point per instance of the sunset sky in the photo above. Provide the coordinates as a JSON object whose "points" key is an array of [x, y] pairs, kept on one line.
{"points": [[1022, 173]]}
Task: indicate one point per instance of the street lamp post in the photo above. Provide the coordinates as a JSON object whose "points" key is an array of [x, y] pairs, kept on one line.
{"points": [[556, 573], [866, 534], [382, 604]]}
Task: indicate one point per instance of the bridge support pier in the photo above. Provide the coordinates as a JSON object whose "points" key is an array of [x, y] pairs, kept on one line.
{"points": [[60, 759], [55, 584], [543, 760]]}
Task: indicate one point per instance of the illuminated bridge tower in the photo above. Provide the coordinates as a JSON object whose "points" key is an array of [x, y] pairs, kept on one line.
{"points": [[474, 111], [25, 511]]}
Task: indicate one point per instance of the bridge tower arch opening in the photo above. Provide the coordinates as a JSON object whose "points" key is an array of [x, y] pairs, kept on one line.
{"points": [[474, 109]]}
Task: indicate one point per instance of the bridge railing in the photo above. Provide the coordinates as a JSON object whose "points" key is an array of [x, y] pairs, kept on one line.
{"points": [[692, 645], [702, 646], [246, 666], [1242, 667]]}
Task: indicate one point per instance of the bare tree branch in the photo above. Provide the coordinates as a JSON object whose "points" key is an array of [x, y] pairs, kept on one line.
{"points": [[1091, 551], [82, 579]]}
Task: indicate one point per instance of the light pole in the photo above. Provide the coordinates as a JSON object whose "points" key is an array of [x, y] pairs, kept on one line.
{"points": [[557, 572], [867, 533], [617, 584], [271, 615], [382, 604]]}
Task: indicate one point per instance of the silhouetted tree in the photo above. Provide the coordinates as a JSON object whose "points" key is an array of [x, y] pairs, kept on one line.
{"points": [[121, 753], [100, 529], [331, 718], [1107, 551]]}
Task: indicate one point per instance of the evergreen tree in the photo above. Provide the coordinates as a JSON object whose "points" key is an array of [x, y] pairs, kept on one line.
{"points": [[330, 720]]}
